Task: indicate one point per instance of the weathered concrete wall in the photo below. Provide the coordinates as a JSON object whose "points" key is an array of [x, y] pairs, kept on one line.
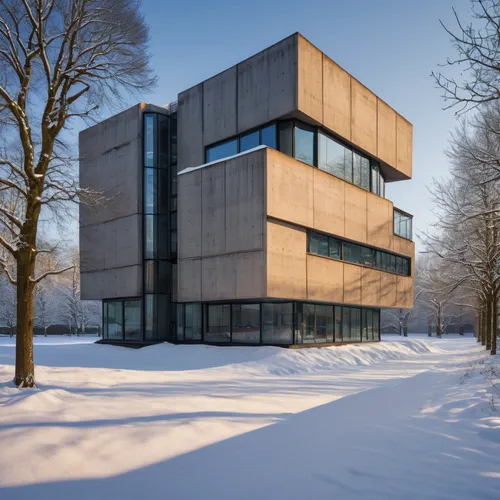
{"points": [[110, 236], [243, 234], [221, 220]]}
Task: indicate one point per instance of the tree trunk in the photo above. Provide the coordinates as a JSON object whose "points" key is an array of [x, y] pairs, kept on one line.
{"points": [[479, 325], [405, 331], [25, 366], [483, 329], [494, 321], [488, 324]]}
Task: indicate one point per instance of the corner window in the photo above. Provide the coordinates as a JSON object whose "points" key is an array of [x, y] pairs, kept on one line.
{"points": [[245, 323], [268, 136], [304, 144], [403, 224], [277, 323], [249, 141]]}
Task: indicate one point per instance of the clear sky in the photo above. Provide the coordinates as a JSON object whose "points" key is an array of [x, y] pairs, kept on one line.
{"points": [[391, 46]]}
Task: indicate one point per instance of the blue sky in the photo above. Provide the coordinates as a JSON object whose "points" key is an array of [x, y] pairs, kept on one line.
{"points": [[390, 45]]}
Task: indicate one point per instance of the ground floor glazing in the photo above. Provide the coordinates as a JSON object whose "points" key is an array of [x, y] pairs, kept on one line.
{"points": [[244, 323]]}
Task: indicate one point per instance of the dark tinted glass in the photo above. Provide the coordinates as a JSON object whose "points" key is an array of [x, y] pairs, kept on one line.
{"points": [[308, 323], [228, 148], [193, 322], [249, 141], [246, 323], [355, 324], [338, 324], [150, 237], [269, 136], [114, 320], [286, 138], [304, 145], [335, 248], [162, 141], [346, 324], [318, 244], [218, 327], [133, 313], [352, 252], [149, 140], [367, 256], [277, 323]]}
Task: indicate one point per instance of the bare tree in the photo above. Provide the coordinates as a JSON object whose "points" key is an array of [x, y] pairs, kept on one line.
{"points": [[59, 60], [47, 305], [477, 47]]}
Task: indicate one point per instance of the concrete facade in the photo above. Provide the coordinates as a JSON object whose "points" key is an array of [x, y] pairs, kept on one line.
{"points": [[246, 221], [292, 79]]}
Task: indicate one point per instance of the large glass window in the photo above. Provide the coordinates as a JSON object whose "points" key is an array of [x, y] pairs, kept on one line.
{"points": [[218, 328], [246, 323], [223, 150], [150, 237], [365, 173], [355, 324], [133, 320], [149, 317], [304, 144], [150, 190], [332, 156], [308, 323], [376, 325], [268, 136], [114, 320], [346, 324], [277, 323], [249, 141], [329, 246], [356, 170], [193, 321], [403, 224], [149, 140]]}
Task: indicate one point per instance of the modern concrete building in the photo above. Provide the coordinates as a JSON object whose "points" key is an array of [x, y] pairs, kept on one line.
{"points": [[251, 212]]}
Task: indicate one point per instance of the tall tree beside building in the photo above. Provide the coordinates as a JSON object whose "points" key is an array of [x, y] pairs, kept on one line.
{"points": [[59, 61]]}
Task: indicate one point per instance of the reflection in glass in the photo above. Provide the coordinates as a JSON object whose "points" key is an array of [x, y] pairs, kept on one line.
{"points": [[132, 320], [249, 141], [308, 323], [218, 328], [269, 136], [193, 322], [149, 317], [246, 323], [365, 173], [346, 324], [304, 145], [338, 324], [277, 323], [115, 320], [150, 237], [149, 140], [332, 156], [219, 151], [355, 324], [149, 190], [318, 244]]}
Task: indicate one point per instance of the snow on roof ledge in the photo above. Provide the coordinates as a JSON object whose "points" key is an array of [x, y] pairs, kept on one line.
{"points": [[191, 169]]}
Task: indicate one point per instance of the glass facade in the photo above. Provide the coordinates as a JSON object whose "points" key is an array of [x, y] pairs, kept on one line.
{"points": [[330, 246], [275, 323], [122, 319], [262, 136], [403, 224], [309, 145]]}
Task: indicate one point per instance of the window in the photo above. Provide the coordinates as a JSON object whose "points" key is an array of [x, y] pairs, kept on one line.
{"points": [[133, 311], [332, 156], [223, 150], [150, 190], [338, 324], [376, 324], [355, 324], [193, 322], [218, 328], [365, 173], [149, 140], [335, 248], [268, 136], [346, 324], [318, 244], [369, 324], [367, 257], [180, 321], [356, 170], [403, 224], [150, 237], [277, 323], [249, 141], [114, 320], [245, 323], [352, 253], [304, 144]]}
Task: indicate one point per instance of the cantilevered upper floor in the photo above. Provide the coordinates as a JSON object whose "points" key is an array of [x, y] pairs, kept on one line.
{"points": [[293, 80]]}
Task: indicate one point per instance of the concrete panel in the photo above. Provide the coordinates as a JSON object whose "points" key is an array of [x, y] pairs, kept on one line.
{"points": [[245, 215], [213, 210], [251, 275], [267, 84], [379, 222], [370, 287], [286, 261], [190, 148], [404, 138], [388, 289], [110, 163], [352, 284], [111, 283], [355, 213], [404, 246], [328, 200], [219, 106], [405, 292], [364, 117], [310, 79], [325, 279], [189, 215], [386, 133], [289, 189], [336, 98], [189, 280]]}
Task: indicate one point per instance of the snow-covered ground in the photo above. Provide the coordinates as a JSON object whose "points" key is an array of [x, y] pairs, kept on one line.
{"points": [[402, 419]]}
